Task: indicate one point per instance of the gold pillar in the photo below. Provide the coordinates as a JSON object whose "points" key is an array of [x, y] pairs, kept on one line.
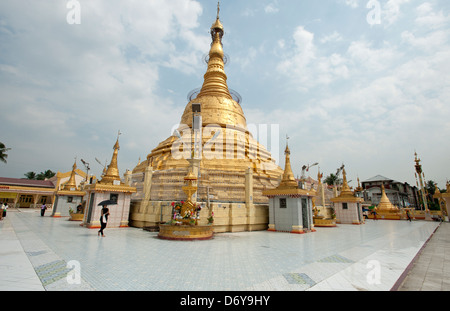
{"points": [[422, 188], [249, 198]]}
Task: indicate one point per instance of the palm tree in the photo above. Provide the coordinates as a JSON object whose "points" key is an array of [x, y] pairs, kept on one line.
{"points": [[30, 175], [45, 175], [3, 151], [332, 179]]}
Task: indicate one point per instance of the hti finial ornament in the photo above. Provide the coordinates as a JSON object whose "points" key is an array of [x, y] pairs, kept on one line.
{"points": [[218, 9]]}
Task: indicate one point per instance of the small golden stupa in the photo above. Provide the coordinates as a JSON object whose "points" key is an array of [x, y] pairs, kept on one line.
{"points": [[68, 197], [111, 176], [110, 187], [385, 209], [347, 205], [296, 216], [443, 200], [71, 184]]}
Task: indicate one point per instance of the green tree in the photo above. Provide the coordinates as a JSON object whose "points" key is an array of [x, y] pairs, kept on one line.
{"points": [[3, 151], [45, 175], [30, 175], [332, 179], [430, 187]]}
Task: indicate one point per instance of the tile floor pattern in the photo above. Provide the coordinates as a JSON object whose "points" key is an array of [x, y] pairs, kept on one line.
{"points": [[349, 257], [431, 270]]}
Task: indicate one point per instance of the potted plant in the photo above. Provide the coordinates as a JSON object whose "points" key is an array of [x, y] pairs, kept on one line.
{"points": [[211, 218]]}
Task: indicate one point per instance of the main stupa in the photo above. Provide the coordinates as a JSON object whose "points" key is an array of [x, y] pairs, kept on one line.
{"points": [[232, 167]]}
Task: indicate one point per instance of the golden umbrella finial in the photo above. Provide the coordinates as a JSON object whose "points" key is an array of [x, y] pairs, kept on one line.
{"points": [[218, 9]]}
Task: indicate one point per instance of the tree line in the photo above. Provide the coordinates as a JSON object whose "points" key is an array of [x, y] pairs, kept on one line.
{"points": [[40, 176]]}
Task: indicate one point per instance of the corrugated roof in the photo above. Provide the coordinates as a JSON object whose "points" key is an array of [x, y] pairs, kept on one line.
{"points": [[380, 178], [26, 182]]}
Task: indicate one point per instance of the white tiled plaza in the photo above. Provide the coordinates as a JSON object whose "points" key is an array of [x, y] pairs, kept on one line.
{"points": [[43, 253]]}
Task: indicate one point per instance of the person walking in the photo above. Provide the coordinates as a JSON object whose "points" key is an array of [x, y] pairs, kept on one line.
{"points": [[408, 215], [1, 212], [103, 220], [43, 208], [5, 208]]}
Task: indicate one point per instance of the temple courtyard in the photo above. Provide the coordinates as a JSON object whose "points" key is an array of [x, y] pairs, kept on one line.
{"points": [[46, 253]]}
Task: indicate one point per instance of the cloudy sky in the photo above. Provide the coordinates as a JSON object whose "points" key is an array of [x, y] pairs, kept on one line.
{"points": [[359, 82]]}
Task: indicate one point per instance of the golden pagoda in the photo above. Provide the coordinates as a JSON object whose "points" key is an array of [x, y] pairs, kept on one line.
{"points": [[290, 207], [229, 156], [443, 200], [110, 187], [385, 209], [111, 176], [68, 197], [71, 184], [347, 205]]}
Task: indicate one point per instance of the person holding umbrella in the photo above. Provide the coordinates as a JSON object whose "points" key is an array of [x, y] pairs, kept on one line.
{"points": [[104, 215]]}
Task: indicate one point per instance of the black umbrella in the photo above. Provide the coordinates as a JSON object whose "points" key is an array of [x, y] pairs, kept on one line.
{"points": [[107, 202]]}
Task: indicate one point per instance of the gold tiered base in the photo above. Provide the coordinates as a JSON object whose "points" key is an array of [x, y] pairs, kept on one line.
{"points": [[76, 217], [387, 216], [324, 222], [185, 233]]}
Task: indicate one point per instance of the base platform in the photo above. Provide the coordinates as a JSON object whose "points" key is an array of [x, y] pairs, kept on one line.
{"points": [[185, 233]]}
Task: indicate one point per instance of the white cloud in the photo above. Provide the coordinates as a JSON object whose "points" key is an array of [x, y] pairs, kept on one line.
{"points": [[271, 8], [352, 3], [305, 64], [426, 17], [394, 96], [391, 11], [363, 55], [428, 43], [344, 91], [334, 37], [90, 80]]}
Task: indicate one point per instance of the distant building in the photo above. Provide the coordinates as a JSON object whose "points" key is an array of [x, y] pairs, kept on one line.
{"points": [[30, 193], [399, 193], [21, 192]]}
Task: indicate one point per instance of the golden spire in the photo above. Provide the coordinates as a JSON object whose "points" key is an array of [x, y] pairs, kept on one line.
{"points": [[319, 176], [345, 188], [112, 173], [215, 79], [71, 183], [436, 189], [288, 180], [218, 9], [218, 105], [359, 188], [385, 204]]}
